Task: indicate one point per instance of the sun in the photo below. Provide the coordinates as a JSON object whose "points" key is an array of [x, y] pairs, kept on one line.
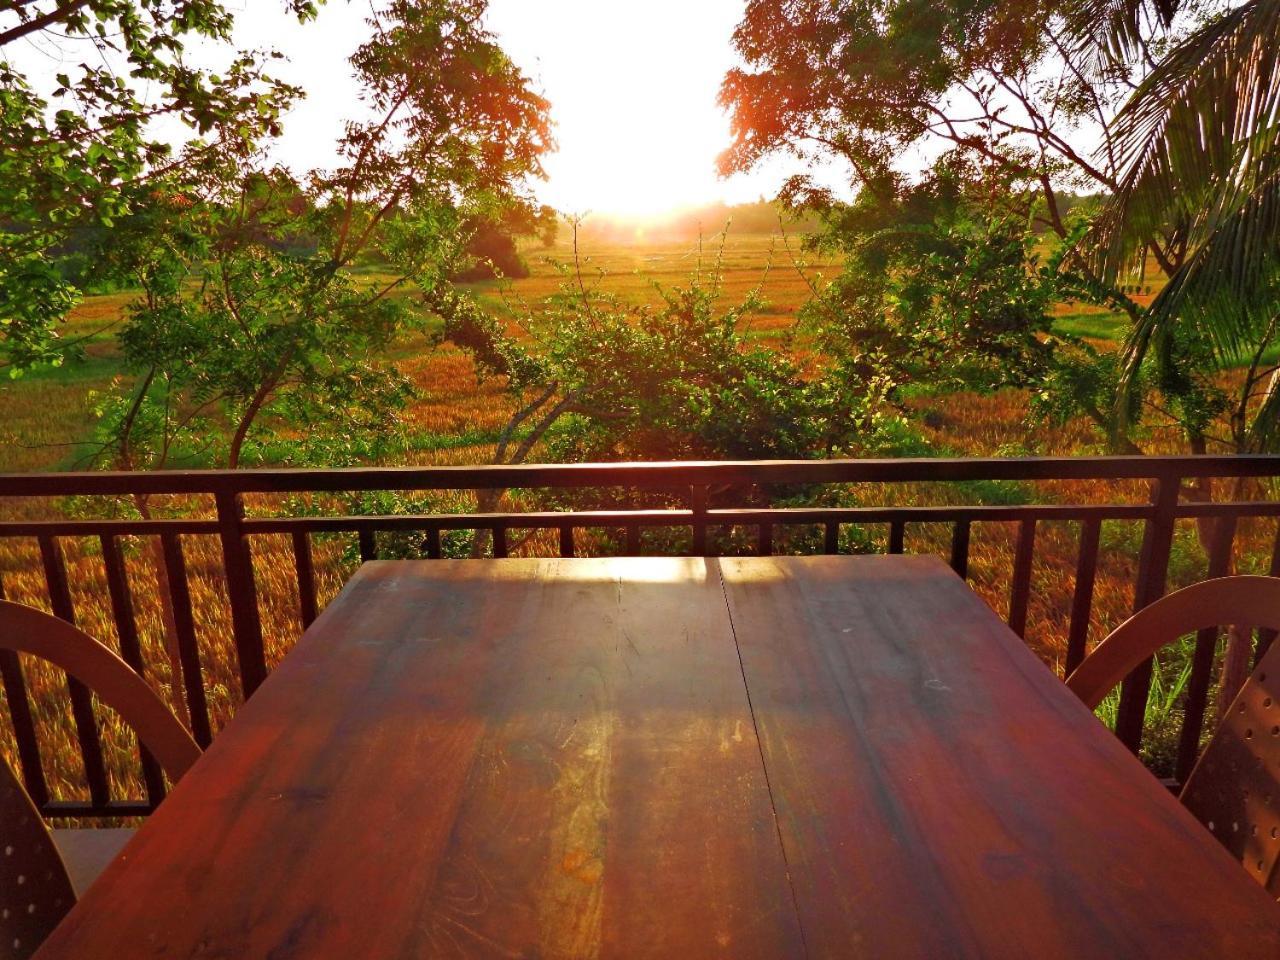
{"points": [[633, 95]]}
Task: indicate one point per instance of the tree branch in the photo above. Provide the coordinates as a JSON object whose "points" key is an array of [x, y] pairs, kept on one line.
{"points": [[36, 24]]}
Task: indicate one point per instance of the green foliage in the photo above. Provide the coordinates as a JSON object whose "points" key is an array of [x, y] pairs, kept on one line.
{"points": [[679, 381], [1185, 174], [253, 338], [76, 154], [1162, 721], [944, 289], [492, 246], [858, 78], [1199, 149]]}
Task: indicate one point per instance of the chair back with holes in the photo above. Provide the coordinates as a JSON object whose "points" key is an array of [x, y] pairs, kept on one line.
{"points": [[1234, 788], [35, 892]]}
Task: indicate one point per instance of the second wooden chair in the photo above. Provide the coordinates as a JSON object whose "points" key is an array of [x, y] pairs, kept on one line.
{"points": [[1234, 788]]}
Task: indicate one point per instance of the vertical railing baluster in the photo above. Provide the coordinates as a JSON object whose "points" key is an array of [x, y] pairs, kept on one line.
{"points": [[698, 507], [566, 540], [130, 649], [1153, 569], [960, 549], [1082, 597], [237, 561], [55, 573], [368, 544], [764, 544], [831, 537], [433, 543], [897, 533], [1020, 595], [188, 651], [1224, 533], [304, 566], [633, 539], [24, 727], [499, 540]]}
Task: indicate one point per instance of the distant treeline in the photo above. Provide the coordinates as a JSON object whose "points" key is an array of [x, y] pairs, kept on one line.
{"points": [[764, 217], [761, 217], [83, 256]]}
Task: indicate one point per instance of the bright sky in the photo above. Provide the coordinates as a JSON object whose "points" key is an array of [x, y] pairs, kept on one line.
{"points": [[632, 87]]}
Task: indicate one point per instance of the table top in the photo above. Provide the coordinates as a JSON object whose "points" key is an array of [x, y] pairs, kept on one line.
{"points": [[664, 757]]}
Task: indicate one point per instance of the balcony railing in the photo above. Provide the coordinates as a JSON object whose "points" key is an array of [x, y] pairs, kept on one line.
{"points": [[69, 514]]}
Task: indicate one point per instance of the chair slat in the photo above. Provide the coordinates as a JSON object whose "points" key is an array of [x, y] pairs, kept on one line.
{"points": [[1234, 789]]}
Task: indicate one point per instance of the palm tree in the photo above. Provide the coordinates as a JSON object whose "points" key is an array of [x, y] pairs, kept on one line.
{"points": [[1198, 144], [1200, 177]]}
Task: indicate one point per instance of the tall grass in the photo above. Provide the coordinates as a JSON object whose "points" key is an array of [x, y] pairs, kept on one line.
{"points": [[456, 419]]}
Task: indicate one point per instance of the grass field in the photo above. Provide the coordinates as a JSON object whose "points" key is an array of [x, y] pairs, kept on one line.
{"points": [[46, 416]]}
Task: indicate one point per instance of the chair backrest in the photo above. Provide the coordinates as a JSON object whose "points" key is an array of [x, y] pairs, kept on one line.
{"points": [[35, 892], [1224, 601], [1234, 788], [28, 630]]}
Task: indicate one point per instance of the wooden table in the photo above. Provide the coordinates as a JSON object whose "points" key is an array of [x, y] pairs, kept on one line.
{"points": [[561, 758]]}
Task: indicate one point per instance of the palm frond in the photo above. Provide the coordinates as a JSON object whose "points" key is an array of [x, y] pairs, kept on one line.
{"points": [[1200, 172], [1264, 431], [1116, 30], [1197, 138]]}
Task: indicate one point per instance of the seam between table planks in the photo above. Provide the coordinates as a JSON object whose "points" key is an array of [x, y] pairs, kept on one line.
{"points": [[764, 766]]}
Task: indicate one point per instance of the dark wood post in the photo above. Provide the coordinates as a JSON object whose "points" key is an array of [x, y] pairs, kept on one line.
{"points": [[698, 506], [1153, 569], [242, 589]]}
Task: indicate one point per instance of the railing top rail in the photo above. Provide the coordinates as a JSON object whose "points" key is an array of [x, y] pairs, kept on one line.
{"points": [[672, 474]]}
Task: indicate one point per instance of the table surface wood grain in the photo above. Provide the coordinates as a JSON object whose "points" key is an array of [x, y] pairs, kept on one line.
{"points": [[663, 757]]}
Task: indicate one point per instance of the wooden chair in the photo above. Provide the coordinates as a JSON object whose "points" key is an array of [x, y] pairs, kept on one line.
{"points": [[1234, 788], [42, 871]]}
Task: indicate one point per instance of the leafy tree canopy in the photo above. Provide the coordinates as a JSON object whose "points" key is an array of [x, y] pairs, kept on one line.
{"points": [[73, 154], [270, 300]]}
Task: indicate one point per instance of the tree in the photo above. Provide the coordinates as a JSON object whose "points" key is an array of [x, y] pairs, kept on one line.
{"points": [[594, 377], [75, 154], [870, 83], [246, 337], [1199, 153], [1010, 90], [1198, 147], [492, 250]]}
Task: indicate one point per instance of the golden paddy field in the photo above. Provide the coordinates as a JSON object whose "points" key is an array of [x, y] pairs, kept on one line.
{"points": [[45, 417]]}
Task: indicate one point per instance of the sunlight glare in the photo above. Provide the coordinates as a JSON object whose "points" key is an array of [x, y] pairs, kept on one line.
{"points": [[633, 92]]}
